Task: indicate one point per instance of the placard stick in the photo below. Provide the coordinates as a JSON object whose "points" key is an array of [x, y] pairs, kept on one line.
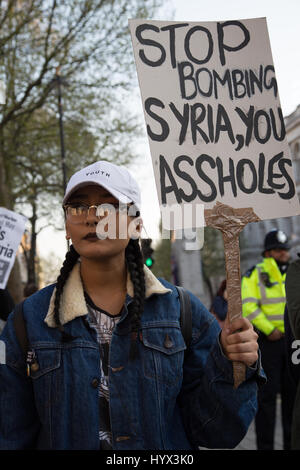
{"points": [[231, 222]]}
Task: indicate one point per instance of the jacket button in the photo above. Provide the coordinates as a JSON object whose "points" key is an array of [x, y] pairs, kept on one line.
{"points": [[168, 343], [117, 369], [95, 383], [122, 438]]}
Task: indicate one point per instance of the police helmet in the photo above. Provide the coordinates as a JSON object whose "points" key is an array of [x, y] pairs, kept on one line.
{"points": [[276, 239]]}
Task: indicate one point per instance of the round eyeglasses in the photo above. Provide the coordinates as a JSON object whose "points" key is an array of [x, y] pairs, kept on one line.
{"points": [[78, 212]]}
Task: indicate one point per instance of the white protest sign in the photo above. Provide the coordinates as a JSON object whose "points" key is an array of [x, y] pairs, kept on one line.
{"points": [[213, 115], [12, 226]]}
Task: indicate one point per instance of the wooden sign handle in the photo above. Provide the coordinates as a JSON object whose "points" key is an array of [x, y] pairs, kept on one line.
{"points": [[234, 300], [231, 222]]}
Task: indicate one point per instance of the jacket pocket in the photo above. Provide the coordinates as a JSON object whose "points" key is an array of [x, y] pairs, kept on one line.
{"points": [[47, 360], [163, 353], [46, 378]]}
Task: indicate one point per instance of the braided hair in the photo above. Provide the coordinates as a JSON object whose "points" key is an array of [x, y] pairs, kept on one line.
{"points": [[134, 262], [68, 264], [135, 265]]}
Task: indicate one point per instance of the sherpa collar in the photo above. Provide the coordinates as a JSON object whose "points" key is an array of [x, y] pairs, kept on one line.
{"points": [[73, 304]]}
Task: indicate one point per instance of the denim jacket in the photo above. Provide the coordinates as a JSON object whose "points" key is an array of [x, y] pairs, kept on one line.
{"points": [[160, 400]]}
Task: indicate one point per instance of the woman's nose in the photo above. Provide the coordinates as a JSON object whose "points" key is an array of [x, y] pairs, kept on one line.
{"points": [[91, 215]]}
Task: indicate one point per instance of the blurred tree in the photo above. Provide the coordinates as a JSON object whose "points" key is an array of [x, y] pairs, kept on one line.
{"points": [[49, 269], [89, 41], [38, 179]]}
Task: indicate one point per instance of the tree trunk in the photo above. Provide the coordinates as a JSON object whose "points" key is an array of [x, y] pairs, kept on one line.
{"points": [[14, 284], [32, 253], [5, 200], [31, 278]]}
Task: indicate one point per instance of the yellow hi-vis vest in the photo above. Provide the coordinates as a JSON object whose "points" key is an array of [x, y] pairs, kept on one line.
{"points": [[263, 296]]}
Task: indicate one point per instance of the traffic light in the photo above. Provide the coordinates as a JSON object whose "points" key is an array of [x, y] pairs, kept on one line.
{"points": [[147, 252]]}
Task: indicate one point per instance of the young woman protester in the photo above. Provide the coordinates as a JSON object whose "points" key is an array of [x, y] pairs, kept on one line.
{"points": [[107, 363]]}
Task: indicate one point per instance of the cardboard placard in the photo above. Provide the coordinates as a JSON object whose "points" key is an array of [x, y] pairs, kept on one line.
{"points": [[12, 226], [213, 115]]}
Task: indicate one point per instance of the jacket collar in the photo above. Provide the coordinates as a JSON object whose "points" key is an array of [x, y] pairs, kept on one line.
{"points": [[270, 265], [73, 304]]}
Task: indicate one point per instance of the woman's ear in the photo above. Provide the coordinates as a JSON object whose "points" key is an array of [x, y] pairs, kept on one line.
{"points": [[135, 228], [139, 227], [68, 236]]}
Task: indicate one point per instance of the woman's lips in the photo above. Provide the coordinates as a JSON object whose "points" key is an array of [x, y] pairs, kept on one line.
{"points": [[92, 236]]}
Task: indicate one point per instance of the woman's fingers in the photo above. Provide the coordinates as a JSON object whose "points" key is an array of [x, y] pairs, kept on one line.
{"points": [[239, 341], [245, 347], [247, 358]]}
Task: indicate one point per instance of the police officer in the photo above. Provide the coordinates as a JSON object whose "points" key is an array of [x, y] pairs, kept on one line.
{"points": [[263, 296]]}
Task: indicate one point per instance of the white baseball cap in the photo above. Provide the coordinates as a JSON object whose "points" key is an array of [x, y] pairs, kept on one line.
{"points": [[116, 179]]}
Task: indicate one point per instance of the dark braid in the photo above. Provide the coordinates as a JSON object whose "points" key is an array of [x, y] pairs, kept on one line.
{"points": [[135, 265], [69, 262]]}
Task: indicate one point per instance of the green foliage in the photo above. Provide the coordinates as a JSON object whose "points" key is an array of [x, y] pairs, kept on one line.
{"points": [[88, 43]]}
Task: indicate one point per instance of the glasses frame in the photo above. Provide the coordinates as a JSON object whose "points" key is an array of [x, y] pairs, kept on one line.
{"points": [[132, 211], [107, 206], [117, 207]]}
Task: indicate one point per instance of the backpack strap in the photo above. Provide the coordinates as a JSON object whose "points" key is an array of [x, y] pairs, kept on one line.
{"points": [[20, 328], [185, 315]]}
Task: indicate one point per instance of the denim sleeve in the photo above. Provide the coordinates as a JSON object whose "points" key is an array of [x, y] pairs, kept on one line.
{"points": [[19, 423], [215, 415]]}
